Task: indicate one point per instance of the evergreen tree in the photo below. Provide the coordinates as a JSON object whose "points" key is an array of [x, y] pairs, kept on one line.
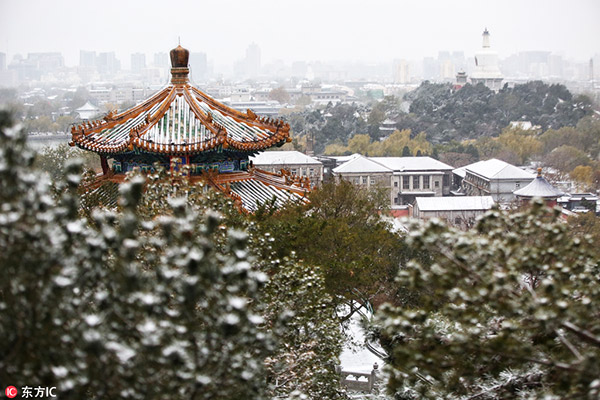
{"points": [[507, 311], [159, 299]]}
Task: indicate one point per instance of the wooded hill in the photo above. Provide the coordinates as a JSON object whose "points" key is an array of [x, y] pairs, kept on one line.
{"points": [[473, 111], [446, 114]]}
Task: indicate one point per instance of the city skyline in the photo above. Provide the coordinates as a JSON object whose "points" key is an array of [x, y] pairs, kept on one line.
{"points": [[290, 31]]}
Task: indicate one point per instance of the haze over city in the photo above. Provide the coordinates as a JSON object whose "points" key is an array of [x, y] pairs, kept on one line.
{"points": [[374, 31]]}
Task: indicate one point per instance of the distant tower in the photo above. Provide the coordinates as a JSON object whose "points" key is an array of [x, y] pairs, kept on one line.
{"points": [[486, 66], [461, 80], [401, 72], [138, 62], [198, 66]]}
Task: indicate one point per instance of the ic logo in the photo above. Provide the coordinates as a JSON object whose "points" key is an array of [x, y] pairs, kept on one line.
{"points": [[11, 392]]}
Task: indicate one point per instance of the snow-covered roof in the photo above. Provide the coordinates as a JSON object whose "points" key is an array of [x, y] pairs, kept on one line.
{"points": [[360, 164], [283, 157], [342, 159], [494, 169], [412, 163], [539, 187], [462, 203], [578, 197], [88, 107]]}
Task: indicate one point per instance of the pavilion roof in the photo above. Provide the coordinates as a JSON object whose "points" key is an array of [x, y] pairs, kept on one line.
{"points": [[248, 189], [180, 120], [539, 187]]}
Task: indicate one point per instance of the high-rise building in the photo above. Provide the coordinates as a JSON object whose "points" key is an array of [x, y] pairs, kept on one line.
{"points": [[87, 58], [138, 62], [108, 63], [47, 62], [161, 60], [401, 72]]}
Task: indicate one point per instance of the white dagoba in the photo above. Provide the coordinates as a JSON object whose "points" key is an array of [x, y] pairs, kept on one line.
{"points": [[486, 66]]}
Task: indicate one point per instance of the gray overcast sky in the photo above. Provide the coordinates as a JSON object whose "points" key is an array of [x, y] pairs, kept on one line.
{"points": [[290, 30]]}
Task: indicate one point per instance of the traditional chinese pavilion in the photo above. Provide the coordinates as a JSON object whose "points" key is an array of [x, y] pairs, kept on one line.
{"points": [[182, 126]]}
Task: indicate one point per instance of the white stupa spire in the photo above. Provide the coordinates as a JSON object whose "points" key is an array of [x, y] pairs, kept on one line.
{"points": [[486, 39]]}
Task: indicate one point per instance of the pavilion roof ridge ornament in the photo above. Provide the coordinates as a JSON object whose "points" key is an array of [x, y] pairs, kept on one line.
{"points": [[179, 65]]}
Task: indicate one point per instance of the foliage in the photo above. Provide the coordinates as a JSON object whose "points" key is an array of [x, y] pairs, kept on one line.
{"points": [[53, 159], [522, 143], [303, 318], [398, 144], [583, 176], [457, 154], [509, 310], [161, 298], [565, 158], [125, 307], [341, 232], [334, 124], [586, 225], [280, 94], [476, 111], [389, 107]]}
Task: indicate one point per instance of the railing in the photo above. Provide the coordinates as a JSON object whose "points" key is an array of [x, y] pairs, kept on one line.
{"points": [[359, 381]]}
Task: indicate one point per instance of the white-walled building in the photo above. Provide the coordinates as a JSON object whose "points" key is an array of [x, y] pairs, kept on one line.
{"points": [[494, 178], [406, 177], [296, 163], [459, 211]]}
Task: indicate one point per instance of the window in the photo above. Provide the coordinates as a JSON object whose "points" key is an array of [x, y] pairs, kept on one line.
{"points": [[294, 171], [406, 182], [416, 182], [436, 184], [356, 181], [364, 180], [312, 172], [457, 221], [396, 184], [372, 181], [517, 185], [426, 182]]}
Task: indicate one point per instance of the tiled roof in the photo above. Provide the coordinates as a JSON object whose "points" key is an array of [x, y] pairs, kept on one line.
{"points": [[180, 119], [459, 203], [282, 157], [412, 163], [250, 189], [495, 169], [539, 187], [360, 164]]}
